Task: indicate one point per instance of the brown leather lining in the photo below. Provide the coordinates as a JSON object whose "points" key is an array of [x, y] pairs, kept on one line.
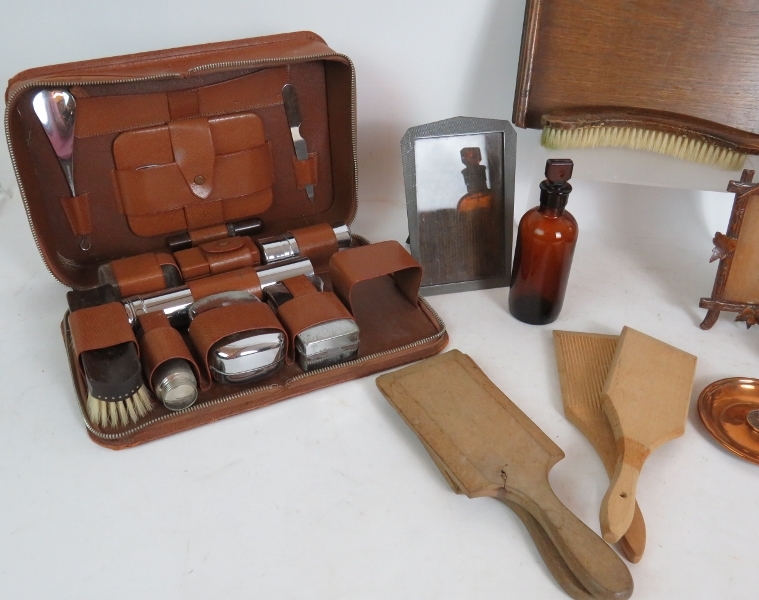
{"points": [[107, 114]]}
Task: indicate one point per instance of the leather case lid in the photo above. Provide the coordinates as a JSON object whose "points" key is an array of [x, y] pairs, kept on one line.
{"points": [[138, 92]]}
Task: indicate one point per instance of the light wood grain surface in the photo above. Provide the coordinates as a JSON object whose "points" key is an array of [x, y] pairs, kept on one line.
{"points": [[646, 398]]}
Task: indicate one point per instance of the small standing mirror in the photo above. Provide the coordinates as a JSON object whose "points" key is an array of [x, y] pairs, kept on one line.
{"points": [[459, 176]]}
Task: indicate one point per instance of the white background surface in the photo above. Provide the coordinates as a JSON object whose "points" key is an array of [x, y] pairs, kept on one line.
{"points": [[330, 495]]}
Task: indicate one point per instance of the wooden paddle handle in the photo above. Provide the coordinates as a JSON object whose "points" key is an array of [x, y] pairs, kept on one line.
{"points": [[598, 568], [550, 555], [618, 505], [633, 543]]}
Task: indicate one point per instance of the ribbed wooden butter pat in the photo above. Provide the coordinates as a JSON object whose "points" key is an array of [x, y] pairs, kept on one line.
{"points": [[583, 361]]}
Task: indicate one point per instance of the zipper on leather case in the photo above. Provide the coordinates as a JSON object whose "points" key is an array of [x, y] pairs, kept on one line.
{"points": [[41, 83]]}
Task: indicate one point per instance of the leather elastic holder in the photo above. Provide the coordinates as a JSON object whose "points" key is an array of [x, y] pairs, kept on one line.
{"points": [[208, 234], [216, 257], [211, 327], [99, 327], [318, 243], [159, 343], [306, 171], [307, 308], [77, 211], [141, 274], [351, 267], [240, 280]]}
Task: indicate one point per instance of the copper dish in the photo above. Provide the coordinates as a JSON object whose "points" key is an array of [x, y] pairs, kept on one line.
{"points": [[729, 409]]}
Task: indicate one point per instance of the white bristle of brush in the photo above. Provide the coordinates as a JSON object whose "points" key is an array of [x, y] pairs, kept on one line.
{"points": [[119, 414], [636, 138]]}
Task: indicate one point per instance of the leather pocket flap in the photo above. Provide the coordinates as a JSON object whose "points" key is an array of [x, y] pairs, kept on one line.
{"points": [[194, 154]]}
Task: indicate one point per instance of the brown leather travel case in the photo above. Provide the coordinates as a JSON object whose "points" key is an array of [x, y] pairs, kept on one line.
{"points": [[187, 141]]}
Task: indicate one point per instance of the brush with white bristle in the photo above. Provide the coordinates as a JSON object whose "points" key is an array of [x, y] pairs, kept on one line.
{"points": [[116, 393], [698, 141], [115, 414]]}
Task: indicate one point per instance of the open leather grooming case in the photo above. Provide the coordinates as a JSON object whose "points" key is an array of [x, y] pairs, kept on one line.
{"points": [[225, 173]]}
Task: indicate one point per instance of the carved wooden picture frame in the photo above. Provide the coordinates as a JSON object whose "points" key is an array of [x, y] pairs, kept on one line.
{"points": [[736, 286]]}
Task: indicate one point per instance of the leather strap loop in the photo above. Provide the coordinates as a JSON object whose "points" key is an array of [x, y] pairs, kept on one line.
{"points": [[140, 274], [300, 286], [159, 343], [308, 310], [99, 327], [318, 243], [219, 256], [355, 265], [194, 154], [77, 210], [208, 234], [211, 327], [306, 171], [240, 280]]}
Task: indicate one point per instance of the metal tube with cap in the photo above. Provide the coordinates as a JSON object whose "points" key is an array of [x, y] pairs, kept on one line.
{"points": [[285, 246], [175, 303], [175, 384]]}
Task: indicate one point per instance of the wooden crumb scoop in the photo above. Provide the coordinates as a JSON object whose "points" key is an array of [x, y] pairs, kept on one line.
{"points": [[583, 361], [645, 398], [486, 446]]}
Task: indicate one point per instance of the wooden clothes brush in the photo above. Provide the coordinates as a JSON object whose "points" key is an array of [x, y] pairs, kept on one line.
{"points": [[702, 142], [678, 78]]}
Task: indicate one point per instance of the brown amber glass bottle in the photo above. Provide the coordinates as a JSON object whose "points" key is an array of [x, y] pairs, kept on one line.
{"points": [[543, 255]]}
